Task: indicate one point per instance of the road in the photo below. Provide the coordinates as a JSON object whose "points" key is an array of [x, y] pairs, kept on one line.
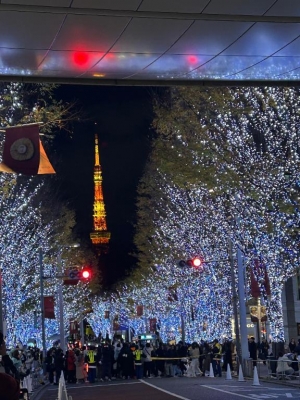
{"points": [[199, 388]]}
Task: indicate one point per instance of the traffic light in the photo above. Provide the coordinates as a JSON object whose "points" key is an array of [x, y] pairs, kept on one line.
{"points": [[195, 263], [76, 274], [86, 273]]}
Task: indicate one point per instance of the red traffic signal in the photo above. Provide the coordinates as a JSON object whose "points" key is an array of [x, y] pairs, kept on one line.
{"points": [[196, 263], [75, 274], [86, 273]]}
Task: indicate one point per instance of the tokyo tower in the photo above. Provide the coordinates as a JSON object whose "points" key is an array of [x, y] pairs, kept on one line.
{"points": [[100, 236]]}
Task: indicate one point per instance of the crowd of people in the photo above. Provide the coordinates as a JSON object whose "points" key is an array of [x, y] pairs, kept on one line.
{"points": [[123, 360], [119, 359]]}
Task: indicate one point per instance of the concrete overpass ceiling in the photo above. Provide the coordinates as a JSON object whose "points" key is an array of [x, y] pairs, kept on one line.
{"points": [[148, 41]]}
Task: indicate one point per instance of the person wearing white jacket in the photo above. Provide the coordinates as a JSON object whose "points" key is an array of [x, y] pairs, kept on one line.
{"points": [[194, 353], [147, 350], [284, 365]]}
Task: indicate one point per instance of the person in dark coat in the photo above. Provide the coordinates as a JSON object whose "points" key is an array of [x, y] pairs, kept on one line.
{"points": [[126, 361], [170, 362], [59, 363], [50, 366], [107, 360], [252, 346], [264, 350], [297, 348], [227, 351], [182, 352], [161, 353]]}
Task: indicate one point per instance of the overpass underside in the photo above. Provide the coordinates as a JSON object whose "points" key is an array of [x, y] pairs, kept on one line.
{"points": [[151, 42]]}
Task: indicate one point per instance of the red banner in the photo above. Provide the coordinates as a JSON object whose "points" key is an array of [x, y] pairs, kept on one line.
{"points": [[152, 324], [139, 311], [259, 270], [116, 326], [255, 290], [49, 307]]}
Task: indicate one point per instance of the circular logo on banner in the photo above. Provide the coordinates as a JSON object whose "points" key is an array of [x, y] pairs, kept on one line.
{"points": [[22, 149]]}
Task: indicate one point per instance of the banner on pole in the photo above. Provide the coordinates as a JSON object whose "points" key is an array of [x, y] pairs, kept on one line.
{"points": [[49, 307], [139, 311], [152, 324]]}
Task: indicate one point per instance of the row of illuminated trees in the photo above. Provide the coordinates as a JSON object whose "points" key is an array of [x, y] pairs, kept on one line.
{"points": [[224, 166], [35, 221]]}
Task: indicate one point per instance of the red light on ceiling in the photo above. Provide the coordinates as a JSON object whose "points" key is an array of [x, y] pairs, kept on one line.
{"points": [[192, 59], [110, 56], [80, 58]]}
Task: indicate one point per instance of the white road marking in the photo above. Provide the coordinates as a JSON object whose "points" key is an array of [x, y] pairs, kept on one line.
{"points": [[227, 392], [87, 386], [165, 391], [254, 396]]}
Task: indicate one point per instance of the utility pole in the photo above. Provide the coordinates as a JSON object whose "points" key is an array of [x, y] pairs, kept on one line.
{"points": [[42, 302], [82, 330], [234, 303], [182, 328], [61, 305], [242, 304], [1, 304]]}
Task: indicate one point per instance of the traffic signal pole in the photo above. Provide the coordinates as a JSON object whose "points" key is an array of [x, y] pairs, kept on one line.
{"points": [[1, 304], [42, 303], [61, 305]]}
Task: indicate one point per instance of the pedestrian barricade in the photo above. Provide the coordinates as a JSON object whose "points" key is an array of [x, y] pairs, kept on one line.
{"points": [[267, 369], [33, 380]]}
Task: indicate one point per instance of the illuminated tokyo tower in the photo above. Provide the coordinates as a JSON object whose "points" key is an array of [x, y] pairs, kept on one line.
{"points": [[100, 236]]}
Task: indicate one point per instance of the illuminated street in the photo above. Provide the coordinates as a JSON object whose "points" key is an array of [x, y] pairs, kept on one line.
{"points": [[167, 389]]}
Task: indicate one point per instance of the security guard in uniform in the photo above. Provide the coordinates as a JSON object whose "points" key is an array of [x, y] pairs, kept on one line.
{"points": [[91, 360], [217, 354], [138, 366]]}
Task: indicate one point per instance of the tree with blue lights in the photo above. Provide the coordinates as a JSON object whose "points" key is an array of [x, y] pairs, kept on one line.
{"points": [[30, 223]]}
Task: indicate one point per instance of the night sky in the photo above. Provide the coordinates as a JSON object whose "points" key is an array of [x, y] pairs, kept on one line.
{"points": [[123, 116]]}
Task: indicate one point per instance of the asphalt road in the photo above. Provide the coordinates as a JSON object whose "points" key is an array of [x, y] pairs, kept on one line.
{"points": [[199, 388]]}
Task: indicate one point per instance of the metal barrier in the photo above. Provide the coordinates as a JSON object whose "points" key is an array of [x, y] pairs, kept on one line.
{"points": [[33, 381], [267, 369]]}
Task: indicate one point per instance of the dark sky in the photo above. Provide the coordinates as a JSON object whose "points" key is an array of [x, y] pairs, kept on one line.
{"points": [[123, 116]]}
